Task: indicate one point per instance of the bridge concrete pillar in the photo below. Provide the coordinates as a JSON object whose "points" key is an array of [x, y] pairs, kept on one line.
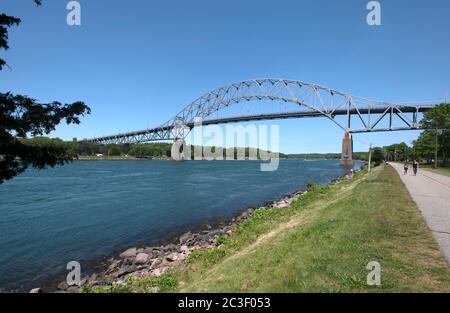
{"points": [[347, 150], [179, 151]]}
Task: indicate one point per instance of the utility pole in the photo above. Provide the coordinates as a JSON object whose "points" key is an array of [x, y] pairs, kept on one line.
{"points": [[436, 149], [438, 132], [370, 157]]}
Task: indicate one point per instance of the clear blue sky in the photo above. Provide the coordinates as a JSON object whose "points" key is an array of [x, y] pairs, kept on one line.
{"points": [[136, 63]]}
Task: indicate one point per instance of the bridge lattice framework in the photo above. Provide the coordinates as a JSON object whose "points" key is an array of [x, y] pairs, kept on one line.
{"points": [[312, 100]]}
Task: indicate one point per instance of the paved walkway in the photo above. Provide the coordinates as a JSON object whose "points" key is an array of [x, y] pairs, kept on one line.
{"points": [[431, 192]]}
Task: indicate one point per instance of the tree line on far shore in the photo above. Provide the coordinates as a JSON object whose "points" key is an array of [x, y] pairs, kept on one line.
{"points": [[160, 150], [362, 156]]}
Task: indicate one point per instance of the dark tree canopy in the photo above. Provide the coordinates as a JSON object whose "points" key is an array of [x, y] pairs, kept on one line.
{"points": [[434, 139], [437, 126], [21, 116], [438, 117], [378, 155]]}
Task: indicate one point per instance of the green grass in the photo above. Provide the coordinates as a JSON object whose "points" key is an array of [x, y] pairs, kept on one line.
{"points": [[164, 283], [341, 229], [321, 243], [440, 170]]}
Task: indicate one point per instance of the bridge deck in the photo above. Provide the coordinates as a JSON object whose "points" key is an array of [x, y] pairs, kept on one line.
{"points": [[121, 138]]}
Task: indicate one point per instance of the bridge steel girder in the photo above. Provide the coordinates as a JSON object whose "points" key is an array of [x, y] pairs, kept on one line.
{"points": [[313, 101]]}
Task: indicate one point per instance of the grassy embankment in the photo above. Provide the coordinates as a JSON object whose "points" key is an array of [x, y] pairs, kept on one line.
{"points": [[322, 243], [439, 170]]}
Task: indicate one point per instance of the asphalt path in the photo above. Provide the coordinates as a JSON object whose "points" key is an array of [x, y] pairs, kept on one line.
{"points": [[431, 192]]}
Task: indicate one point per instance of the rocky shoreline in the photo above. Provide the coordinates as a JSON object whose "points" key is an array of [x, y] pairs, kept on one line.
{"points": [[153, 261]]}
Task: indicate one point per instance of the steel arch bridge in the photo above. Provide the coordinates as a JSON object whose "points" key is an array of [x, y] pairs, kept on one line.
{"points": [[312, 100]]}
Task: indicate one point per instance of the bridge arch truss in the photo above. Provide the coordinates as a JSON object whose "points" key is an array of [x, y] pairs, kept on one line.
{"points": [[312, 100]]}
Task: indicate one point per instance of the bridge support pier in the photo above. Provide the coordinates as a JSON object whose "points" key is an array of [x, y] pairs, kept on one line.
{"points": [[347, 150], [179, 150]]}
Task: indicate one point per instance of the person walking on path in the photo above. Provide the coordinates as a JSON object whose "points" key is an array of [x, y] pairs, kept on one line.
{"points": [[405, 168], [415, 166], [431, 192]]}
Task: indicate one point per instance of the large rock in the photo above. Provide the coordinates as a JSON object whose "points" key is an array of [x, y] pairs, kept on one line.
{"points": [[229, 233], [83, 281], [282, 204], [125, 270], [142, 258], [93, 277], [170, 248], [156, 272], [172, 257], [185, 237], [155, 263], [62, 286], [217, 232], [113, 266], [151, 251], [244, 215], [73, 289], [129, 253], [184, 249]]}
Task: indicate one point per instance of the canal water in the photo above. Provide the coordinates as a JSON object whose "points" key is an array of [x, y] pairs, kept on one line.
{"points": [[90, 209]]}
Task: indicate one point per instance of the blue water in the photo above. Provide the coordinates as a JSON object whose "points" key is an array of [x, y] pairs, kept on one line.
{"points": [[90, 209]]}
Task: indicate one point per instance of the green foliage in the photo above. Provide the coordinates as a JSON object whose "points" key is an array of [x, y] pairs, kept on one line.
{"points": [[437, 124], [236, 152], [310, 184], [315, 156], [378, 155], [151, 150], [399, 152], [146, 150], [21, 116], [221, 240], [207, 257], [318, 189], [363, 156], [438, 117], [164, 283]]}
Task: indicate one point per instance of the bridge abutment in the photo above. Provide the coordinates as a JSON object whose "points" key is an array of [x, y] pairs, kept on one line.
{"points": [[179, 151], [347, 150]]}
